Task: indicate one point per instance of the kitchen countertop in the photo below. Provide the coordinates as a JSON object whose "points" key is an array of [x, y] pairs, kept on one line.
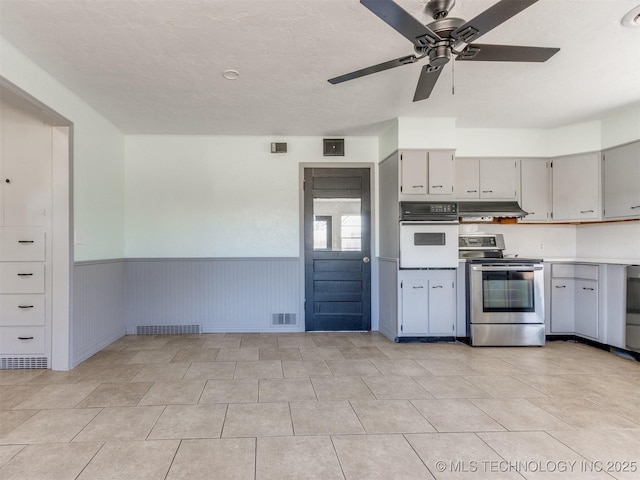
{"points": [[612, 261]]}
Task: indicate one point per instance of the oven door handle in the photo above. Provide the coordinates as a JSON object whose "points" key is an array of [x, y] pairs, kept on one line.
{"points": [[506, 268]]}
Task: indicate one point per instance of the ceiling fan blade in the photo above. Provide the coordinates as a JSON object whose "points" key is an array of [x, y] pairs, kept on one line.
{"points": [[428, 78], [398, 62], [490, 18], [402, 21], [506, 53]]}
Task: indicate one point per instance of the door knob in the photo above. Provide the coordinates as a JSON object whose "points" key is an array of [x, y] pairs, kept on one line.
{"points": [[365, 259]]}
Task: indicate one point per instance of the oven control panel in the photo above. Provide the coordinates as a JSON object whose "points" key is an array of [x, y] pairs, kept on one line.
{"points": [[481, 242]]}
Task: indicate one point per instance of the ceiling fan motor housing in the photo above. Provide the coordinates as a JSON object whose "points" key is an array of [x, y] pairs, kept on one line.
{"points": [[438, 9]]}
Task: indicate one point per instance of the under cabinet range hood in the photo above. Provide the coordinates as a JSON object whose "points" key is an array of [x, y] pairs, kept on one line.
{"points": [[490, 209]]}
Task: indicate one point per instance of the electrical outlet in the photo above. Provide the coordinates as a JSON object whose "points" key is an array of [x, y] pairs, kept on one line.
{"points": [[541, 245]]}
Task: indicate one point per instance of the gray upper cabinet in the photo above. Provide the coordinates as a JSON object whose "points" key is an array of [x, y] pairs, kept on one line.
{"points": [[535, 189], [621, 171], [576, 187], [426, 175], [487, 178]]}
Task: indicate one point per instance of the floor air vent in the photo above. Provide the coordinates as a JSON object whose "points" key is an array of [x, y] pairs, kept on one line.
{"points": [[166, 329], [23, 363], [283, 319]]}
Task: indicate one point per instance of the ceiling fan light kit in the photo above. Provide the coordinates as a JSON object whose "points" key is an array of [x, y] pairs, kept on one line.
{"points": [[446, 38]]}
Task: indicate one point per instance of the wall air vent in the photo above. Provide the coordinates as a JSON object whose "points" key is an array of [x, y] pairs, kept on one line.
{"points": [[283, 319], [23, 363], [333, 147], [278, 147], [166, 329]]}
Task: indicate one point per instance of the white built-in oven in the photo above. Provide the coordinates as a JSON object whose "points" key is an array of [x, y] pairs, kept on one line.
{"points": [[428, 235]]}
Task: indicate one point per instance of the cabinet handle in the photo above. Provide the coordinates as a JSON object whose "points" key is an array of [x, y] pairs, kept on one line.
{"points": [[561, 286], [487, 191], [437, 286], [472, 191], [635, 206], [587, 288], [25, 338], [25, 306], [436, 186], [417, 186], [25, 274], [586, 211], [419, 287], [7, 180], [25, 241]]}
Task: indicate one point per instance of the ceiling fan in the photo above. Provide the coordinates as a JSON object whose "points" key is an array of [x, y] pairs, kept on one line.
{"points": [[448, 37]]}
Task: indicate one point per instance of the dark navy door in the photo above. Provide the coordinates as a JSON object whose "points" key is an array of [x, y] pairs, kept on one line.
{"points": [[337, 239]]}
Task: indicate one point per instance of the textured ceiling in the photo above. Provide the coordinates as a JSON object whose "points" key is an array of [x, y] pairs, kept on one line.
{"points": [[155, 66]]}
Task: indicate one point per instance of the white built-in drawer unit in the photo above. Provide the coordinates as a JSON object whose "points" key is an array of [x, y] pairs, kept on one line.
{"points": [[22, 245], [22, 310], [22, 340], [21, 277]]}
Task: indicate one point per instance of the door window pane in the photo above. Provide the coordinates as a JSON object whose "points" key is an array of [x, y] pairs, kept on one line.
{"points": [[337, 224]]}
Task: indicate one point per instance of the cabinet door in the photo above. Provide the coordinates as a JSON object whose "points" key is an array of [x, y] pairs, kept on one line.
{"points": [[26, 170], [442, 313], [562, 305], [576, 187], [498, 178], [415, 307], [535, 188], [413, 176], [622, 181], [587, 308], [440, 173], [467, 178]]}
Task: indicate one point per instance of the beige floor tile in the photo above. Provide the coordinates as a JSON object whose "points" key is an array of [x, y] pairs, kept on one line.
{"points": [[520, 414], [360, 352], [458, 456], [185, 341], [395, 388], [148, 460], [290, 341], [438, 366], [627, 407], [109, 357], [257, 419], [113, 373], [270, 353], [230, 391], [120, 424], [161, 372], [390, 416], [456, 415], [122, 394], [210, 371], [18, 377], [297, 458], [183, 392], [399, 367], [50, 377], [285, 390], [504, 386], [153, 356], [325, 418], [148, 342], [259, 341], [189, 421], [222, 342], [341, 388], [12, 419], [7, 452], [223, 459], [245, 354], [58, 396], [494, 366], [404, 351], [450, 386], [330, 340], [558, 385], [535, 453], [321, 353], [55, 461], [581, 413], [305, 369], [51, 426], [258, 369], [383, 457], [200, 355], [352, 368], [12, 395]]}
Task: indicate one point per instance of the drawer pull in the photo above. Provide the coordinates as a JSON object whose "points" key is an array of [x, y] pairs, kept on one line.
{"points": [[437, 286], [635, 206], [25, 338], [487, 191], [587, 288], [26, 241], [472, 191], [25, 306], [419, 287], [436, 186], [561, 286], [586, 211], [25, 274], [417, 186]]}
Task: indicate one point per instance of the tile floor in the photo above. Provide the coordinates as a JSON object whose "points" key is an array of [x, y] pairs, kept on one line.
{"points": [[327, 406]]}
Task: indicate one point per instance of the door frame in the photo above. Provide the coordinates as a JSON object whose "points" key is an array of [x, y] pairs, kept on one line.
{"points": [[372, 166]]}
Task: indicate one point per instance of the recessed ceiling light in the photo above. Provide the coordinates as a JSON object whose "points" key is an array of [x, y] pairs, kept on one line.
{"points": [[231, 74], [631, 19]]}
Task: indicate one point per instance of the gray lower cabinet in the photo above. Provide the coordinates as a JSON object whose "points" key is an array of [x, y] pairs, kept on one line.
{"points": [[574, 300], [427, 304]]}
